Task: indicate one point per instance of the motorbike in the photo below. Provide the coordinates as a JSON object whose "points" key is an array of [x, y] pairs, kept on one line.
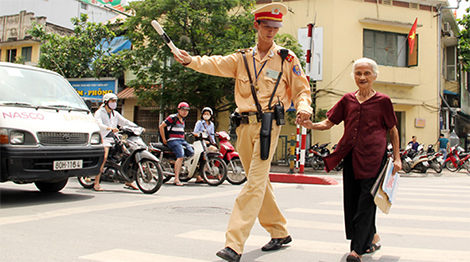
{"points": [[204, 163], [339, 166], [236, 174], [316, 153], [412, 160], [128, 161], [457, 159], [434, 160]]}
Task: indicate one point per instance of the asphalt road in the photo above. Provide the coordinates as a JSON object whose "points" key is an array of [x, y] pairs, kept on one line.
{"points": [[430, 221]]}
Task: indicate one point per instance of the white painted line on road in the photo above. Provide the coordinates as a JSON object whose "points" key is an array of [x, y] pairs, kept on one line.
{"points": [[449, 190], [384, 216], [117, 205], [400, 253], [122, 255], [446, 195], [412, 231], [412, 207]]}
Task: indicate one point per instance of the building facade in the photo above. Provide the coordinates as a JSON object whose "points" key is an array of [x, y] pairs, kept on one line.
{"points": [[378, 29]]}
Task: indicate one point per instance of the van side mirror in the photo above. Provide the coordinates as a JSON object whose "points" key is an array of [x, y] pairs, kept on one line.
{"points": [[88, 103]]}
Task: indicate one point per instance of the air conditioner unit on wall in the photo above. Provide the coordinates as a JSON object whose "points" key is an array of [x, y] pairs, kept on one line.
{"points": [[446, 29]]}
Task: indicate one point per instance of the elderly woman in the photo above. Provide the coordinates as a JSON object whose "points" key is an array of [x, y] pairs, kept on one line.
{"points": [[368, 115]]}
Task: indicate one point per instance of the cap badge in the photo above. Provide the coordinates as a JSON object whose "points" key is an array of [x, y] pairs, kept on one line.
{"points": [[275, 11]]}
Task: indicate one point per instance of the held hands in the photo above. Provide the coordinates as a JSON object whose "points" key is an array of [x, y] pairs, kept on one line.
{"points": [[302, 117], [184, 58]]}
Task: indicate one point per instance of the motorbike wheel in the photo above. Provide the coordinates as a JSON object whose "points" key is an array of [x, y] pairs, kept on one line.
{"points": [[339, 167], [437, 167], [236, 175], [166, 168], [423, 170], [215, 171], [315, 163], [152, 179], [86, 181], [406, 167], [451, 166]]}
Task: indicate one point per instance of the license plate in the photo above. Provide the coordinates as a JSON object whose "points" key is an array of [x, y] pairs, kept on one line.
{"points": [[68, 164]]}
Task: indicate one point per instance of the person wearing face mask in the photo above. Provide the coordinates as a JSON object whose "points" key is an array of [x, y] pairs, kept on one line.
{"points": [[205, 124], [108, 120]]}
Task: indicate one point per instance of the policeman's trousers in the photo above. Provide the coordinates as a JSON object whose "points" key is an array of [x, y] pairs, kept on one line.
{"points": [[256, 199]]}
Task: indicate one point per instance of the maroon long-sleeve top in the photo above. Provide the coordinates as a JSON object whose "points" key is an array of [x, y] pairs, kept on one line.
{"points": [[365, 132]]}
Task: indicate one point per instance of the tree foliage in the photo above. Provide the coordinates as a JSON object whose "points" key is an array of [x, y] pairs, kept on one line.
{"points": [[80, 55], [464, 41], [201, 27]]}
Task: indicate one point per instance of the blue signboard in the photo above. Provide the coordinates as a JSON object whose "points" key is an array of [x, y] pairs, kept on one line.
{"points": [[94, 89]]}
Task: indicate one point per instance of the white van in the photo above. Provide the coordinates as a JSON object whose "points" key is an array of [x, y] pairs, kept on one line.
{"points": [[47, 132]]}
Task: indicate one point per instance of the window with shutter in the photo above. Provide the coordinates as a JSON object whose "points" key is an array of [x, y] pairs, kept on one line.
{"points": [[388, 48]]}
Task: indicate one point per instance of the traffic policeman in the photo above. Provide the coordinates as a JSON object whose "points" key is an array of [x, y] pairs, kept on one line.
{"points": [[256, 199]]}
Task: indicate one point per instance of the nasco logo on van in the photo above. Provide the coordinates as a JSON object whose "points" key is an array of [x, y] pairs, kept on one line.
{"points": [[23, 115]]}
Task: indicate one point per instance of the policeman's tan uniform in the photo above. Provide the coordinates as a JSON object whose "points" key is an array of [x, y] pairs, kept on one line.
{"points": [[256, 199]]}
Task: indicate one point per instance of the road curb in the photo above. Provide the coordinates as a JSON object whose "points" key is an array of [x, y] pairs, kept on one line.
{"points": [[301, 179]]}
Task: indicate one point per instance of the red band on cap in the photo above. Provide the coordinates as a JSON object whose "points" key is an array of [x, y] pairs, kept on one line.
{"points": [[268, 16]]}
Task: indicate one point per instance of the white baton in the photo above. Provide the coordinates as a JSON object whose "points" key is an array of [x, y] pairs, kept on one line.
{"points": [[165, 37]]}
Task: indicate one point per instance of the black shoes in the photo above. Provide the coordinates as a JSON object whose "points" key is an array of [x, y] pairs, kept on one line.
{"points": [[276, 243], [229, 255]]}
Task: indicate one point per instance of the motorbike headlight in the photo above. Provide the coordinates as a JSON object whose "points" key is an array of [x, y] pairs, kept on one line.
{"points": [[96, 139], [16, 138]]}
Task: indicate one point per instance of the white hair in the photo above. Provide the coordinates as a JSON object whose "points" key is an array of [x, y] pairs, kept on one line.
{"points": [[372, 63]]}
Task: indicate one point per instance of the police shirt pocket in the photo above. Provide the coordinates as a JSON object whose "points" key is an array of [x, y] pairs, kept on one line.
{"points": [[244, 88]]}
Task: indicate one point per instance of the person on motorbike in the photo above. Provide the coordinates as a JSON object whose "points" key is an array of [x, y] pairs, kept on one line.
{"points": [[108, 120], [176, 141], [206, 125], [414, 143]]}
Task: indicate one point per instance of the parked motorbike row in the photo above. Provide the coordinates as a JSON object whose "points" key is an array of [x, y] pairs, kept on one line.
{"points": [[412, 160], [130, 159]]}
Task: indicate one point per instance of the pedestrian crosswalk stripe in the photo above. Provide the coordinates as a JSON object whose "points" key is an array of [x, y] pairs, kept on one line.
{"points": [[419, 189], [430, 200], [461, 210], [413, 231], [123, 255], [433, 194], [398, 253], [384, 216]]}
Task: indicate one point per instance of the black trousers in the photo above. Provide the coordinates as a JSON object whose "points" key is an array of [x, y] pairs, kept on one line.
{"points": [[359, 207]]}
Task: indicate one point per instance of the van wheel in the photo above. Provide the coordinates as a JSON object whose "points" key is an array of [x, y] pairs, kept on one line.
{"points": [[51, 187]]}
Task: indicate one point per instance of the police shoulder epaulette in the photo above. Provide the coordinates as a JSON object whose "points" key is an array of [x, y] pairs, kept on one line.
{"points": [[289, 57], [245, 50]]}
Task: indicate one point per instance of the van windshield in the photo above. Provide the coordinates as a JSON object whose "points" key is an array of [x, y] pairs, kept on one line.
{"points": [[37, 88]]}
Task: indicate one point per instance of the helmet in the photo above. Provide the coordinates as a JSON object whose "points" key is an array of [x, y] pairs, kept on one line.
{"points": [[183, 105], [109, 96], [207, 109]]}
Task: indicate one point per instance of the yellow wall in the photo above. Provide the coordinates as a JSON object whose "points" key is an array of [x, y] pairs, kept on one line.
{"points": [[5, 46]]}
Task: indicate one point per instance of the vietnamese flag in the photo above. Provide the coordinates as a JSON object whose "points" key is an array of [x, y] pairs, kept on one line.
{"points": [[412, 36]]}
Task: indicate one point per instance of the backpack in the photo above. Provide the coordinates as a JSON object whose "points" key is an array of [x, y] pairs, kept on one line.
{"points": [[174, 117]]}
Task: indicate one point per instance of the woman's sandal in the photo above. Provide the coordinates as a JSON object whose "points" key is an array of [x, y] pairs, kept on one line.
{"points": [[97, 188], [373, 248], [178, 184], [352, 258]]}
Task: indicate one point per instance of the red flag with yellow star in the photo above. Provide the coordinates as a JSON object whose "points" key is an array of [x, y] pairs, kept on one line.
{"points": [[412, 36]]}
